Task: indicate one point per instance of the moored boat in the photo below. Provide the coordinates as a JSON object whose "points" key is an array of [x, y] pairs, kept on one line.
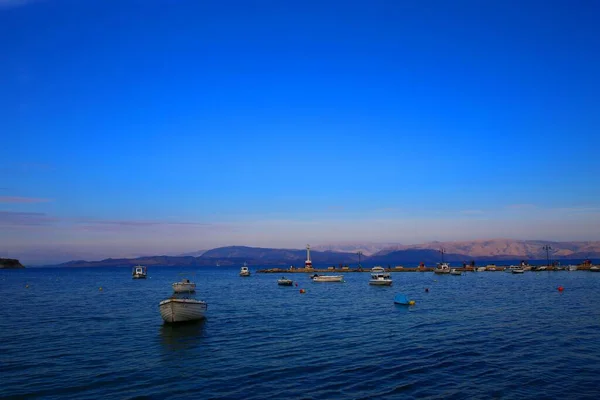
{"points": [[518, 270], [185, 286], [244, 271], [182, 310], [595, 268], [380, 277], [454, 271], [442, 268], [284, 281], [139, 272], [327, 278]]}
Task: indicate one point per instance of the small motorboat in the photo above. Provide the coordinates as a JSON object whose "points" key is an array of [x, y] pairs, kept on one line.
{"points": [[595, 269], [518, 270], [185, 286], [284, 281], [403, 300], [443, 268], [454, 271], [139, 272], [571, 267], [380, 277], [244, 271], [327, 278], [182, 310]]}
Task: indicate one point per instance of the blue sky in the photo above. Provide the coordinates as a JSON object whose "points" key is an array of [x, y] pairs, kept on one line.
{"points": [[136, 127]]}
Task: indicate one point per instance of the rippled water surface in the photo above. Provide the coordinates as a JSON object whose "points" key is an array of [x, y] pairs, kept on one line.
{"points": [[480, 335]]}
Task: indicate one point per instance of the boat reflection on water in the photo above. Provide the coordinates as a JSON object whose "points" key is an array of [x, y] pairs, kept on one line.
{"points": [[182, 336]]}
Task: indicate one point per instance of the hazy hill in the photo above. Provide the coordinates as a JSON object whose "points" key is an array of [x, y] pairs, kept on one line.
{"points": [[506, 249], [365, 248], [146, 261], [227, 256], [267, 256], [412, 257]]}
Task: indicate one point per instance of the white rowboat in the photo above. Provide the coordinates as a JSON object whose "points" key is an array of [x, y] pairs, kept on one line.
{"points": [[182, 310]]}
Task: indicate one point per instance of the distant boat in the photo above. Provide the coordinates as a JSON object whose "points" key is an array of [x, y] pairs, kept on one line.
{"points": [[139, 272], [284, 281], [185, 286], [571, 267], [454, 271], [442, 268], [244, 271], [595, 269], [518, 270], [182, 310], [327, 278], [380, 277]]}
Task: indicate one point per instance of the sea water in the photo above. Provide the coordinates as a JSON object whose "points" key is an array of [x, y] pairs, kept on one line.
{"points": [[97, 333]]}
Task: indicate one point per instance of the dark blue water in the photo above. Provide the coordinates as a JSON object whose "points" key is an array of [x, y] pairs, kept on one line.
{"points": [[480, 335]]}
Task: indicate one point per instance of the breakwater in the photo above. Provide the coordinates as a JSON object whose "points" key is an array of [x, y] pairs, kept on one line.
{"points": [[489, 268]]}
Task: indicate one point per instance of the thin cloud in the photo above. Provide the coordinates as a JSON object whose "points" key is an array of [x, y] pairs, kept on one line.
{"points": [[471, 212], [21, 200], [521, 206], [137, 223], [11, 218]]}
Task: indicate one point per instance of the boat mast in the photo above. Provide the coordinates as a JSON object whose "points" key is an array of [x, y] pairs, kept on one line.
{"points": [[442, 251]]}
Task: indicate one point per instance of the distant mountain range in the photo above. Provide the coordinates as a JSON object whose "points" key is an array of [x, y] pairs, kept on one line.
{"points": [[503, 249], [227, 256], [327, 255]]}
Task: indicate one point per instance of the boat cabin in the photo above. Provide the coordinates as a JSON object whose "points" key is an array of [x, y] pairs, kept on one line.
{"points": [[139, 272]]}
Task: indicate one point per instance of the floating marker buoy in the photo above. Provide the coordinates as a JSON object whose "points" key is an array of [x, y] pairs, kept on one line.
{"points": [[560, 288], [26, 286], [302, 291], [427, 289], [296, 285], [411, 303], [100, 289]]}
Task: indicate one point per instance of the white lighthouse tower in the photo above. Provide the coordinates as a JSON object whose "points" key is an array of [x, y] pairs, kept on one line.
{"points": [[308, 263]]}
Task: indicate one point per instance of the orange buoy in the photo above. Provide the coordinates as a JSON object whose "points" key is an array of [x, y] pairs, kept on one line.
{"points": [[302, 291], [560, 288]]}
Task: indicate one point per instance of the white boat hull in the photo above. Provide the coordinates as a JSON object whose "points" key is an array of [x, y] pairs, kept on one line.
{"points": [[179, 287], [328, 278], [182, 310], [380, 282]]}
